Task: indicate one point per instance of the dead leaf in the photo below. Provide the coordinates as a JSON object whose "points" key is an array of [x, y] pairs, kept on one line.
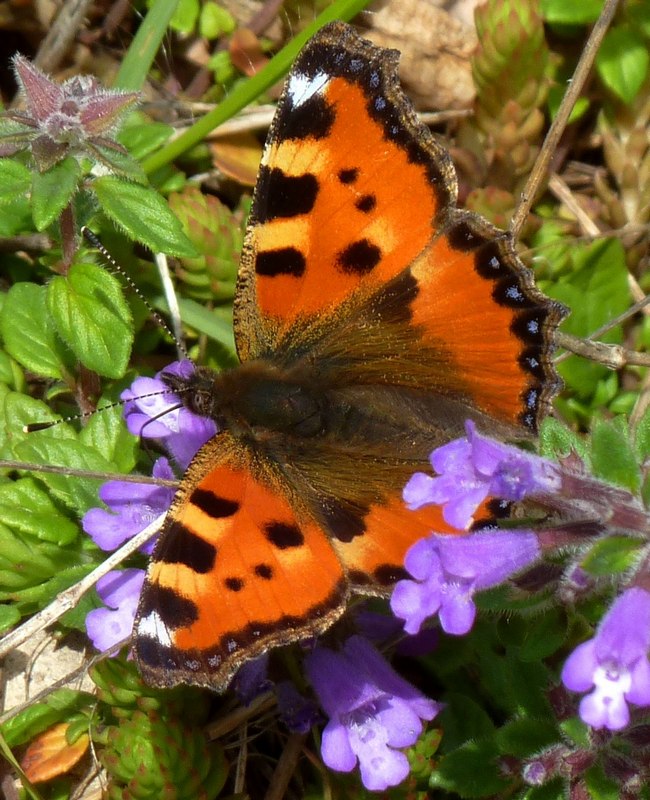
{"points": [[49, 754], [435, 47], [246, 52], [237, 156]]}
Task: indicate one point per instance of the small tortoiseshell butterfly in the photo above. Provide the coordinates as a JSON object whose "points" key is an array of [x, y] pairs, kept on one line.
{"points": [[372, 317]]}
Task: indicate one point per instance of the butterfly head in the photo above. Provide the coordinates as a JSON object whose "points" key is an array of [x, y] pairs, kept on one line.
{"points": [[196, 389]]}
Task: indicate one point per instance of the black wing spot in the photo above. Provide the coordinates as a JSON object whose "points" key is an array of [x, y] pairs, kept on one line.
{"points": [[283, 261], [182, 546], [213, 505], [285, 196], [284, 536], [359, 258], [348, 175], [366, 203], [264, 571]]}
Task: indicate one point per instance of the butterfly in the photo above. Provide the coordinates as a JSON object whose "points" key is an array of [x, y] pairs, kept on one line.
{"points": [[372, 318]]}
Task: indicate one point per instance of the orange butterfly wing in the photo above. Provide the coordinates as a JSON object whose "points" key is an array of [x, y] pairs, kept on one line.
{"points": [[368, 300], [233, 572], [355, 192]]}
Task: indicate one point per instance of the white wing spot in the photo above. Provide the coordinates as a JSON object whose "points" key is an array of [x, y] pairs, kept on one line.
{"points": [[303, 87], [153, 627]]}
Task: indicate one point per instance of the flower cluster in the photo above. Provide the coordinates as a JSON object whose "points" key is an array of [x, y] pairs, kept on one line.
{"points": [[469, 470], [614, 664], [372, 711], [77, 117], [612, 667], [448, 570], [151, 410]]}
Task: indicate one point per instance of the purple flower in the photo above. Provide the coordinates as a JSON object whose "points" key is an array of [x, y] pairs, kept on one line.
{"points": [[78, 117], [614, 663], [153, 411], [372, 712], [380, 628], [298, 713], [132, 506], [119, 591], [251, 679], [448, 570], [469, 470]]}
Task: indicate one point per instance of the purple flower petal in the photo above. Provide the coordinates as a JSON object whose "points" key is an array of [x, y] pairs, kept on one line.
{"points": [[614, 664], [153, 411], [132, 506], [472, 469], [372, 711], [447, 570], [120, 591]]}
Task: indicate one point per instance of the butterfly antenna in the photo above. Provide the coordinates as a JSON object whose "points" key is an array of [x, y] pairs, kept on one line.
{"points": [[161, 263], [32, 427]]}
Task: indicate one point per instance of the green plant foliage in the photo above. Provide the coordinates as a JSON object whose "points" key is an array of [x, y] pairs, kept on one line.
{"points": [[92, 318], [143, 214], [612, 455], [623, 62], [52, 191]]}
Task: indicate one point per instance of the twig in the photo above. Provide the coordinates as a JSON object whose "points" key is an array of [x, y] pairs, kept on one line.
{"points": [[540, 169], [61, 34], [68, 598]]}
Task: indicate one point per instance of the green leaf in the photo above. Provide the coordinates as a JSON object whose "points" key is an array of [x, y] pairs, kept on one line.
{"points": [[577, 732], [185, 16], [471, 771], [25, 507], [122, 164], [559, 12], [144, 137], [10, 372], [40, 716], [600, 786], [600, 274], [638, 15], [106, 433], [642, 437], [611, 556], [556, 440], [524, 736], [15, 180], [92, 318], [544, 635], [53, 190], [16, 217], [144, 215], [27, 332], [215, 21], [20, 410], [9, 616], [622, 62], [462, 718], [25, 562], [76, 493], [612, 456]]}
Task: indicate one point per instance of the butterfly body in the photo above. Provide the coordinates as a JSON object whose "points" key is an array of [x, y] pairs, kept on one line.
{"points": [[372, 318]]}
